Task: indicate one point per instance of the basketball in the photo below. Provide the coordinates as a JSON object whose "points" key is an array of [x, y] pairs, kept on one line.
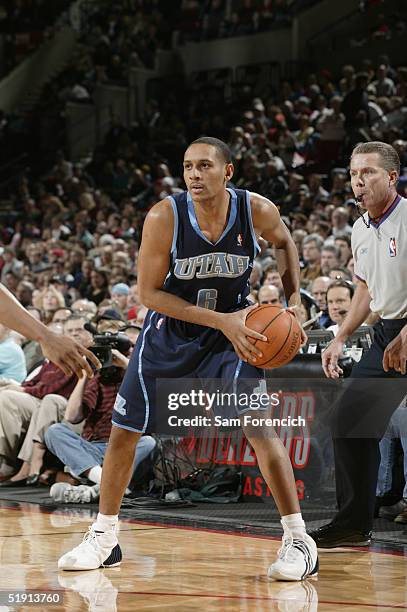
{"points": [[283, 333]]}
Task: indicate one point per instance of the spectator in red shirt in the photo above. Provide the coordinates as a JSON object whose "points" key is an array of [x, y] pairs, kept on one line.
{"points": [[83, 454], [17, 405], [51, 409]]}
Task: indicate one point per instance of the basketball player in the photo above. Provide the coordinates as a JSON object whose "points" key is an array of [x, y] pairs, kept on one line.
{"points": [[379, 247], [67, 354], [194, 265]]}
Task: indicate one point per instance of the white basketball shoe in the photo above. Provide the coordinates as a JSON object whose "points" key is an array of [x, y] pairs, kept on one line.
{"points": [[97, 549], [297, 559]]}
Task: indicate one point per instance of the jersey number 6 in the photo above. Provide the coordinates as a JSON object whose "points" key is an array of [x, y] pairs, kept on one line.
{"points": [[207, 298]]}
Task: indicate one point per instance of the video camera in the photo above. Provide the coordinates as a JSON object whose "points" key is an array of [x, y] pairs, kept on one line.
{"points": [[104, 343]]}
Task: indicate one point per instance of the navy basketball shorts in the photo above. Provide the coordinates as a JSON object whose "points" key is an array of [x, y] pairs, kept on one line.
{"points": [[171, 349]]}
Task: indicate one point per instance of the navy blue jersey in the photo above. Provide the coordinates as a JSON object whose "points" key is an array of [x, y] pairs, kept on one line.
{"points": [[212, 275]]}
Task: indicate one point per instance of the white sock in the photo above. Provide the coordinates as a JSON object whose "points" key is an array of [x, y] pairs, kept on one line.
{"points": [[106, 522], [294, 524], [95, 474]]}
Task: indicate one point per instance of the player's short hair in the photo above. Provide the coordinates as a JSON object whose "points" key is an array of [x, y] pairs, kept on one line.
{"points": [[386, 152], [221, 147]]}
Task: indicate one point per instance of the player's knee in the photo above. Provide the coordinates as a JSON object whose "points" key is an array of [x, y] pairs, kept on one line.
{"points": [[123, 437]]}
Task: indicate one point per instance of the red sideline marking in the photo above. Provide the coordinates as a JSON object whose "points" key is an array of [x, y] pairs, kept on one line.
{"points": [[372, 549], [215, 595], [263, 598]]}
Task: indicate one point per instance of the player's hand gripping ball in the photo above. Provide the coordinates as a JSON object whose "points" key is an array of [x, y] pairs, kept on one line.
{"points": [[283, 333]]}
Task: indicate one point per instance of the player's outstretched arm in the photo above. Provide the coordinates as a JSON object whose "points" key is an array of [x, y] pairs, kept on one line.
{"points": [[153, 267], [64, 352]]}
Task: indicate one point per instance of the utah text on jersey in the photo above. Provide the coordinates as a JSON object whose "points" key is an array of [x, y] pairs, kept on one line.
{"points": [[211, 265]]}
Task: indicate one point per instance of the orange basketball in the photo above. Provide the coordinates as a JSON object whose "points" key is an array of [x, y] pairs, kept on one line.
{"points": [[283, 333]]}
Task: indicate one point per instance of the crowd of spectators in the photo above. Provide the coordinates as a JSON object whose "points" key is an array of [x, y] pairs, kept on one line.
{"points": [[30, 15], [25, 24], [81, 223], [225, 18], [382, 25], [113, 38], [70, 248]]}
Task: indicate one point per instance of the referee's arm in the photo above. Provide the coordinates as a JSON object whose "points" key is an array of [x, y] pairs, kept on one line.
{"points": [[358, 312]]}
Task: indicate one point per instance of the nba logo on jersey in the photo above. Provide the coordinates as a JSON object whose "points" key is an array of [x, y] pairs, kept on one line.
{"points": [[392, 247], [239, 240]]}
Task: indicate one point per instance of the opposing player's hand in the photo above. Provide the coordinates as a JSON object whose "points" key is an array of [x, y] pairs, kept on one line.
{"points": [[330, 358], [395, 355], [69, 355], [234, 328], [295, 310]]}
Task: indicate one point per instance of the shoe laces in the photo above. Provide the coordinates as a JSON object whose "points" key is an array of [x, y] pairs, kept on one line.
{"points": [[90, 537], [288, 552], [286, 544]]}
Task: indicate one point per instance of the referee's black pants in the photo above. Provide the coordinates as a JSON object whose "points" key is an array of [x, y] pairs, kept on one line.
{"points": [[361, 419]]}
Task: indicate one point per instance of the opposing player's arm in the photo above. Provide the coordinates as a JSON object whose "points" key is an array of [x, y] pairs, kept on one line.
{"points": [[153, 266], [65, 352], [268, 224]]}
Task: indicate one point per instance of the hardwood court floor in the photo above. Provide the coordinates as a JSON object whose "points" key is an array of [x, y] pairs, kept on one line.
{"points": [[172, 568]]}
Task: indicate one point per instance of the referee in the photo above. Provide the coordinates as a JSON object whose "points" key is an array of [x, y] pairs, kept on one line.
{"points": [[379, 246]]}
